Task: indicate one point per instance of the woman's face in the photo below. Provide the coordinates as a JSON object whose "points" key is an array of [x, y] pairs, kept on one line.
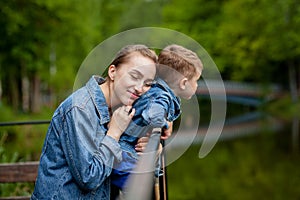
{"points": [[131, 79]]}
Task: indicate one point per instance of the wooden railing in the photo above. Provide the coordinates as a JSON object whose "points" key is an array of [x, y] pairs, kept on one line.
{"points": [[20, 172], [17, 173]]}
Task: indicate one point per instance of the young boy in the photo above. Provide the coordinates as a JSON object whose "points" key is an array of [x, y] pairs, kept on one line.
{"points": [[177, 76]]}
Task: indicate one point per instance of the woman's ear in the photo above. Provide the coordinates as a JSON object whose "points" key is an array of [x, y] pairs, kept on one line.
{"points": [[112, 72], [182, 83]]}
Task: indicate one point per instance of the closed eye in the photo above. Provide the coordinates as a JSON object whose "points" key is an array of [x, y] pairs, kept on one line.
{"points": [[149, 83], [133, 76]]}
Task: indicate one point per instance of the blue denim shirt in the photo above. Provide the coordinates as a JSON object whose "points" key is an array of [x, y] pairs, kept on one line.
{"points": [[78, 156], [152, 110]]}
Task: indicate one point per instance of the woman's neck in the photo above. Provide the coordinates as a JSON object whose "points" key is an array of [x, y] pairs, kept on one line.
{"points": [[107, 89]]}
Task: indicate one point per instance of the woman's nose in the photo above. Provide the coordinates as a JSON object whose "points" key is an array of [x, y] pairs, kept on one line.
{"points": [[139, 87]]}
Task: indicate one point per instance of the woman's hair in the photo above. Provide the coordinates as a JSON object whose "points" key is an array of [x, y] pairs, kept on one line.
{"points": [[124, 54], [175, 58]]}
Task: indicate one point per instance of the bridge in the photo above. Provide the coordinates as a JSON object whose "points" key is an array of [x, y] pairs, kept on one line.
{"points": [[238, 92], [236, 127]]}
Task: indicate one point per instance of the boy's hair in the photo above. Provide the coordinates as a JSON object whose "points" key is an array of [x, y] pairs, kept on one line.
{"points": [[182, 60]]}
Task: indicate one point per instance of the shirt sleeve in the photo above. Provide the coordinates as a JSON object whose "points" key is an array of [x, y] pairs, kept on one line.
{"points": [[90, 163], [155, 114]]}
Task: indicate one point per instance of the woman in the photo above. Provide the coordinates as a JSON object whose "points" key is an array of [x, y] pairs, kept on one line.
{"points": [[82, 140]]}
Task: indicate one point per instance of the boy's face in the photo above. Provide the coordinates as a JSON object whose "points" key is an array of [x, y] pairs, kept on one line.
{"points": [[191, 86]]}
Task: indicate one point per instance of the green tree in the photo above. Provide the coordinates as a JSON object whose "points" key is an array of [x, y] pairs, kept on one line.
{"points": [[249, 40], [43, 44], [198, 19], [22, 50], [257, 40]]}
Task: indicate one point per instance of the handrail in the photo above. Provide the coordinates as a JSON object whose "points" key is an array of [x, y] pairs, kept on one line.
{"points": [[142, 177], [24, 123]]}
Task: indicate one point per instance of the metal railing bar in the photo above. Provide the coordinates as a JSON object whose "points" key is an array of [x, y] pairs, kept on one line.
{"points": [[24, 123]]}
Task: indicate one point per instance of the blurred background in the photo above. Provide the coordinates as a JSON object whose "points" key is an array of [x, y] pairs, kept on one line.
{"points": [[255, 45]]}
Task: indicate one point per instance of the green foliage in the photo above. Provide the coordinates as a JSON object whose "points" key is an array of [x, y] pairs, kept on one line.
{"points": [[3, 155], [11, 189], [33, 32], [198, 19], [16, 189], [20, 143], [141, 14], [255, 34], [284, 108]]}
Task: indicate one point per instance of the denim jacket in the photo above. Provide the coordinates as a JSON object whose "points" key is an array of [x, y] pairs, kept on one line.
{"points": [[152, 110], [78, 156]]}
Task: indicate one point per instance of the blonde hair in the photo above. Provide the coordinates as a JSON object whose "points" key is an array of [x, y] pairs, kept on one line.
{"points": [[182, 60]]}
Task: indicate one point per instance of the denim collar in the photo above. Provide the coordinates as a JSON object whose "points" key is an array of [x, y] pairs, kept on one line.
{"points": [[98, 97], [166, 87]]}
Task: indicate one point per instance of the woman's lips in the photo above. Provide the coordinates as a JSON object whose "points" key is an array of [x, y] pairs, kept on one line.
{"points": [[134, 96]]}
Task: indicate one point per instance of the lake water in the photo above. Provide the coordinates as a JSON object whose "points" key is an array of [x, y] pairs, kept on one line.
{"points": [[256, 157]]}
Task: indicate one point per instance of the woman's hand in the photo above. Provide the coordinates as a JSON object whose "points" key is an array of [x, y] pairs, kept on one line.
{"points": [[119, 121]]}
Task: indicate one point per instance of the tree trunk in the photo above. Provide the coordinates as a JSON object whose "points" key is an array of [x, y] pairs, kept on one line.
{"points": [[14, 91], [25, 94], [0, 92], [298, 70], [294, 96], [293, 82], [35, 96], [295, 134]]}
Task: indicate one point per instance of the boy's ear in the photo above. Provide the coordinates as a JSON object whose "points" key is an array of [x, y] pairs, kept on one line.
{"points": [[111, 72], [183, 83]]}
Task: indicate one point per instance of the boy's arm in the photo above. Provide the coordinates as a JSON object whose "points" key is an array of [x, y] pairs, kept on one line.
{"points": [[155, 114], [143, 141]]}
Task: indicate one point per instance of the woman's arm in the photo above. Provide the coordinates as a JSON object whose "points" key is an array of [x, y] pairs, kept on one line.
{"points": [[90, 162], [119, 121]]}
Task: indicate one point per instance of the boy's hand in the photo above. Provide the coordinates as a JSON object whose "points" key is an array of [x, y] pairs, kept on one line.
{"points": [[166, 133], [141, 146]]}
